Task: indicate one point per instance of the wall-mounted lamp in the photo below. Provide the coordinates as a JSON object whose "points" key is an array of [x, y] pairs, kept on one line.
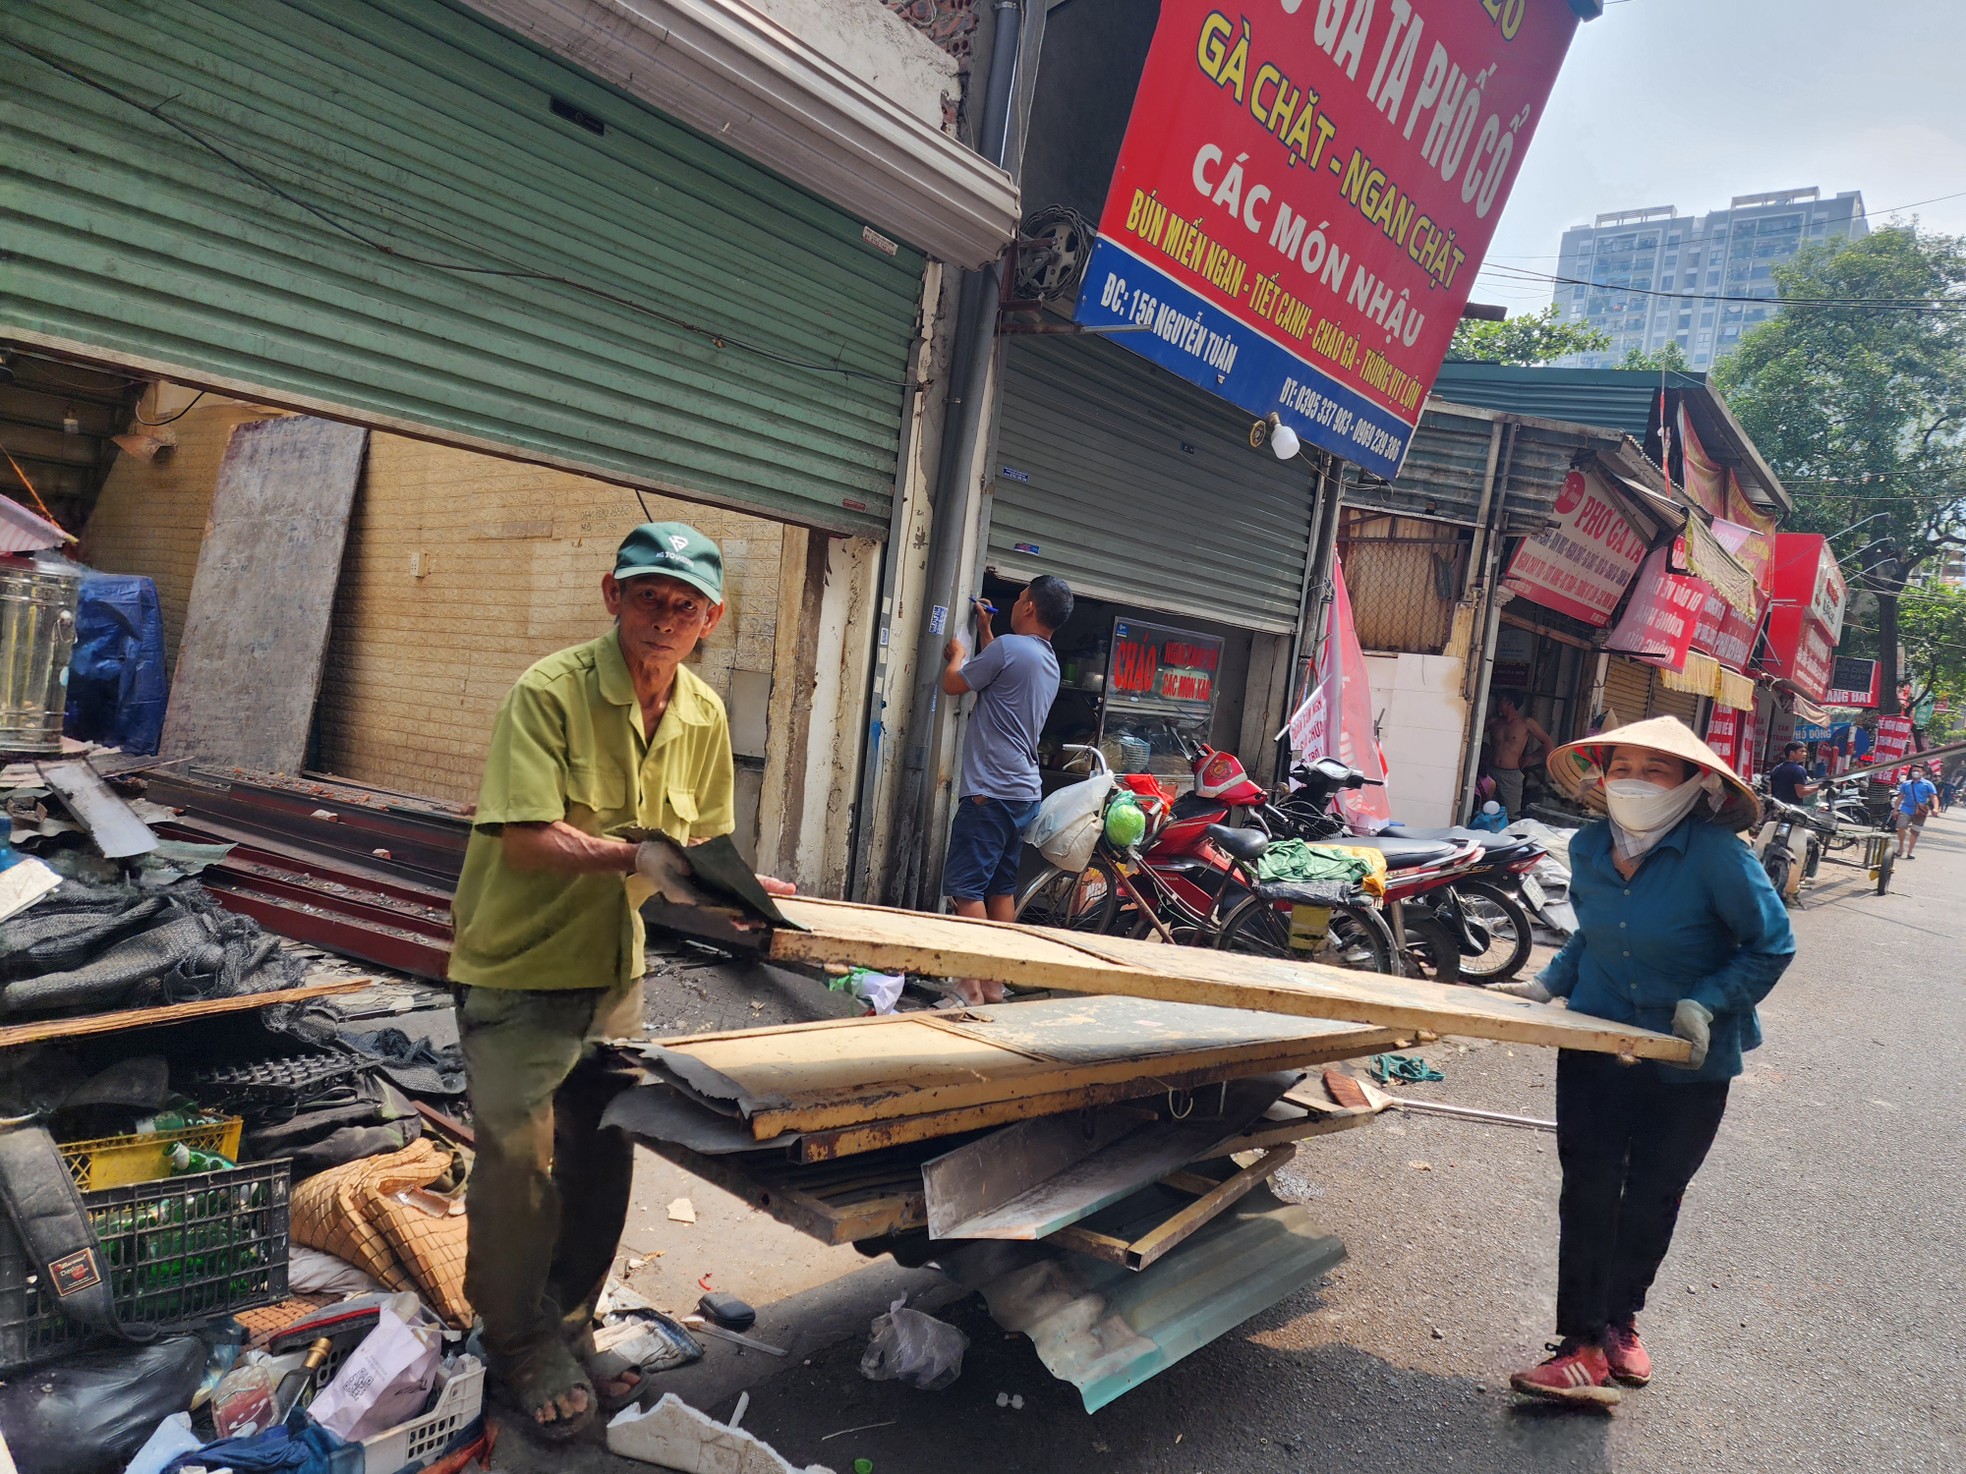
{"points": [[71, 423], [1281, 439]]}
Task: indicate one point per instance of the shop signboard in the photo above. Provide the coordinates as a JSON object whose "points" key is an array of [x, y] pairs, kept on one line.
{"points": [[1853, 682], [1305, 193], [1724, 734], [1659, 624], [1725, 634], [1806, 575], [1582, 562], [1157, 670], [1893, 739]]}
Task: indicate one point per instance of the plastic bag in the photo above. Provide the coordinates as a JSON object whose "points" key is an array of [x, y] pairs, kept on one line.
{"points": [[1069, 822], [914, 1349], [93, 1411], [387, 1379]]}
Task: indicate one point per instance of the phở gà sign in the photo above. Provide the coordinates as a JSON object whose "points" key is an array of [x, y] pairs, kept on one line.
{"points": [[1305, 192]]}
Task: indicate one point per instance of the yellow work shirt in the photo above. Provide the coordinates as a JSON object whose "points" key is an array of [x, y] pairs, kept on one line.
{"points": [[568, 744]]}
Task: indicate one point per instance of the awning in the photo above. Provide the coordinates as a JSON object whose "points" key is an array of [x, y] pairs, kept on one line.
{"points": [[741, 79], [1807, 711], [1734, 689], [1711, 561]]}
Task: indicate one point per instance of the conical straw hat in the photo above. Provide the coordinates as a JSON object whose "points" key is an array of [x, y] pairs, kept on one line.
{"points": [[1578, 767]]}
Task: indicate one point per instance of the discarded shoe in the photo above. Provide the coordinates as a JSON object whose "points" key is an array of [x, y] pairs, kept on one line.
{"points": [[1577, 1373], [1630, 1362]]}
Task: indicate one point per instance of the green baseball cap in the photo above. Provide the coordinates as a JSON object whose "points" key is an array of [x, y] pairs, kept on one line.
{"points": [[675, 549]]}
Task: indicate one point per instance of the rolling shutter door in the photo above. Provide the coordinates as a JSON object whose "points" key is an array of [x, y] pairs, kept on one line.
{"points": [[1134, 486], [640, 303], [1667, 702], [1627, 689]]}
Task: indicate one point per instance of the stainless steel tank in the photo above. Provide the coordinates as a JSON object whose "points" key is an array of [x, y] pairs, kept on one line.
{"points": [[37, 632]]}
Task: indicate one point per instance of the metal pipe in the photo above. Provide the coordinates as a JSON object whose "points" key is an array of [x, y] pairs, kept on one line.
{"points": [[1479, 552], [873, 726], [1484, 656], [954, 495], [1469, 1113]]}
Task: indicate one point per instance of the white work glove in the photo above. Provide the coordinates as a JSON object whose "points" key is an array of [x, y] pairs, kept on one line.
{"points": [[1693, 1022], [1533, 990], [664, 868]]}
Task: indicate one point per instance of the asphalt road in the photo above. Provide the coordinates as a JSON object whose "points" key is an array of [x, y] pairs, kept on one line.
{"points": [[1807, 1319]]}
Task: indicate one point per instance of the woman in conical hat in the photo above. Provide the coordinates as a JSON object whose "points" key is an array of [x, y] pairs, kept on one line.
{"points": [[1678, 929]]}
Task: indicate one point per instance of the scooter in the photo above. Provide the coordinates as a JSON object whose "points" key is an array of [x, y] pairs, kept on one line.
{"points": [[1790, 847], [1424, 874]]}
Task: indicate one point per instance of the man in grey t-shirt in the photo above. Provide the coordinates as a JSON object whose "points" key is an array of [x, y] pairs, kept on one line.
{"points": [[1015, 679]]}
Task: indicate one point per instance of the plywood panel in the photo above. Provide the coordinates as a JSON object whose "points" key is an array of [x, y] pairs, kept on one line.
{"points": [[257, 631], [842, 934]]}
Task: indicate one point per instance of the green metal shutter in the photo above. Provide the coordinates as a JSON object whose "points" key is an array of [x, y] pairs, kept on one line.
{"points": [[409, 132], [1134, 486]]}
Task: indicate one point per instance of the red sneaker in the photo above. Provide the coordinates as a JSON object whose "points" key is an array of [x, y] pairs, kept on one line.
{"points": [[1577, 1373], [1630, 1362]]}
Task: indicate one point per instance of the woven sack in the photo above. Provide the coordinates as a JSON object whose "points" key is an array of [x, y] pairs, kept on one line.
{"points": [[332, 1211]]}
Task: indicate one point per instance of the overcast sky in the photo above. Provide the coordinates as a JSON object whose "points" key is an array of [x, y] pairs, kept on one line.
{"points": [[1691, 102]]}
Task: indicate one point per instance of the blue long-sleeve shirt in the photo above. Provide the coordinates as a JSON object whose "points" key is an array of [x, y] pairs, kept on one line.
{"points": [[1699, 919]]}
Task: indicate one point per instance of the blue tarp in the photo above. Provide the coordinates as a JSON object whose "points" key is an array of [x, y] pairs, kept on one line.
{"points": [[117, 685]]}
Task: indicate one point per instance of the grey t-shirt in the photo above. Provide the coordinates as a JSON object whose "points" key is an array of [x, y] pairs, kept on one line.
{"points": [[1015, 679]]}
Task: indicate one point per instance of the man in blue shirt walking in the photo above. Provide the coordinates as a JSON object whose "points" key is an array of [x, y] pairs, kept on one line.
{"points": [[1015, 679], [1679, 930], [1916, 796]]}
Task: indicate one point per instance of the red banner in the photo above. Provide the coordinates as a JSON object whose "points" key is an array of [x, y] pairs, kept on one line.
{"points": [[1305, 193], [1724, 634], [1664, 613], [1336, 718], [1583, 561], [1724, 735], [1705, 478]]}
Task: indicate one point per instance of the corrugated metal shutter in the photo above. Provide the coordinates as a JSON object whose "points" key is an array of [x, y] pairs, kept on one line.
{"points": [[407, 132], [1134, 486], [1627, 689], [1667, 702]]}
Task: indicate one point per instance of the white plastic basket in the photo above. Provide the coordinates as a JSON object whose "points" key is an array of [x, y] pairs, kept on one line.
{"points": [[424, 1439]]}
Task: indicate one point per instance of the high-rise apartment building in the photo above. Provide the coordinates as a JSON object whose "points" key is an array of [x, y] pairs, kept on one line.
{"points": [[1660, 277]]}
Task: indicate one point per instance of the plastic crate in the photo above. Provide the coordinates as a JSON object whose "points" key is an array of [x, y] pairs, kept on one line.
{"points": [[119, 1161], [174, 1252], [453, 1420]]}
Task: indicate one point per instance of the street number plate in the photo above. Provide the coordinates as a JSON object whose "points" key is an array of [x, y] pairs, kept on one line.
{"points": [[1532, 891], [1309, 925]]}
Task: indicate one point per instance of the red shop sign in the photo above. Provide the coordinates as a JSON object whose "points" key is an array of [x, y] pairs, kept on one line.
{"points": [[1663, 615], [1583, 561], [1305, 192]]}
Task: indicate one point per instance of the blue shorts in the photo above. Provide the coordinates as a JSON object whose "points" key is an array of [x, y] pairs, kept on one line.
{"points": [[986, 844]]}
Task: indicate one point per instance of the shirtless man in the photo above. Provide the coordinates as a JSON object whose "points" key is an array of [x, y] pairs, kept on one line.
{"points": [[1510, 735]]}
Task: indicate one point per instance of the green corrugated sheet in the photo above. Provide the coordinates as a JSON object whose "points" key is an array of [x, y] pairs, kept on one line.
{"points": [[421, 128], [1609, 399]]}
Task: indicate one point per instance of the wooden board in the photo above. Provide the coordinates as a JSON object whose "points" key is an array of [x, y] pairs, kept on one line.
{"points": [[42, 1030], [854, 1073], [840, 934], [256, 629]]}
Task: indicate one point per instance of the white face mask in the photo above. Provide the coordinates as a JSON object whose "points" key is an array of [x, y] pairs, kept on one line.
{"points": [[1644, 813]]}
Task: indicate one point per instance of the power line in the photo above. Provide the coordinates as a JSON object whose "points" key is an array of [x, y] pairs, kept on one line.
{"points": [[1943, 307]]}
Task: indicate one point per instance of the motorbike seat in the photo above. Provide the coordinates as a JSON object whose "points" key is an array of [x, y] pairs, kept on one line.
{"points": [[1402, 853], [1487, 839], [1242, 844]]}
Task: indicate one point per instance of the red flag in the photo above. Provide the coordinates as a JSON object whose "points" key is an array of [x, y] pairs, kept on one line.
{"points": [[1336, 718]]}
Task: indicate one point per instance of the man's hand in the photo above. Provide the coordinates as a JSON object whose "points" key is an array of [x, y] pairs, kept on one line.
{"points": [[773, 886], [1693, 1022], [1533, 990], [955, 652]]}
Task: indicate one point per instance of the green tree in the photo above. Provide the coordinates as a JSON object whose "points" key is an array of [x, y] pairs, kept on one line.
{"points": [[1932, 628], [1669, 359], [1525, 341], [1856, 395]]}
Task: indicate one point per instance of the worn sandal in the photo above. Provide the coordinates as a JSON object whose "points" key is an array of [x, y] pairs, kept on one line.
{"points": [[537, 1379]]}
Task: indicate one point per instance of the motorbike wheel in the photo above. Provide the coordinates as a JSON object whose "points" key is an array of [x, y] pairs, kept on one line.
{"points": [[1087, 901], [1358, 937], [1884, 868], [1511, 932], [1777, 867], [1432, 949]]}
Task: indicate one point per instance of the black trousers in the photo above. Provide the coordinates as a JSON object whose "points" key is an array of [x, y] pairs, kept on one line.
{"points": [[1629, 1143]]}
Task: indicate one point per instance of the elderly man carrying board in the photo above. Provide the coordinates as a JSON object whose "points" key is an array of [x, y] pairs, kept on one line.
{"points": [[616, 734]]}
